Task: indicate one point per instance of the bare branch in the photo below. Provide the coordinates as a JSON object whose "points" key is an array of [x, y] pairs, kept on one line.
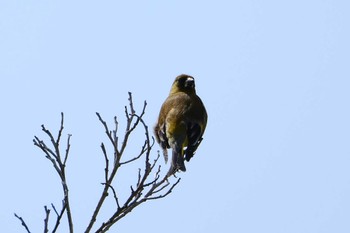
{"points": [[147, 188], [55, 158], [143, 150], [115, 136], [54, 209], [114, 194], [108, 176], [46, 220], [108, 132], [59, 216], [59, 134], [50, 136], [49, 154], [39, 143], [139, 177], [149, 183], [151, 197], [23, 223], [106, 161], [67, 150]]}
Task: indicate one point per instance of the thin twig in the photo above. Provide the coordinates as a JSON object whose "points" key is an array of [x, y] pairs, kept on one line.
{"points": [[59, 216], [143, 150], [114, 194], [67, 150], [107, 131], [23, 223], [54, 209], [60, 132], [46, 220], [103, 148]]}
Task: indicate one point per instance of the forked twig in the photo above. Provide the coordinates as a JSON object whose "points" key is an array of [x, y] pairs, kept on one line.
{"points": [[54, 156]]}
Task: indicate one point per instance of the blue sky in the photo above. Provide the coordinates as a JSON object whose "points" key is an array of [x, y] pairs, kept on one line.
{"points": [[275, 79]]}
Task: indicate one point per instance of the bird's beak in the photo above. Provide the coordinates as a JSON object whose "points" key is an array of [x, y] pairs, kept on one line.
{"points": [[189, 82]]}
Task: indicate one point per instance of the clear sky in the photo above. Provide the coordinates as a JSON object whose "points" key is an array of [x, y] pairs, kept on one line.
{"points": [[275, 79]]}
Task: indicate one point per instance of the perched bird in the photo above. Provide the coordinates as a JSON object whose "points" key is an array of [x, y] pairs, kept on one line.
{"points": [[181, 123]]}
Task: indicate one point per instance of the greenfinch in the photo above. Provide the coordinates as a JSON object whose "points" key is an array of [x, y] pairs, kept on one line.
{"points": [[181, 123]]}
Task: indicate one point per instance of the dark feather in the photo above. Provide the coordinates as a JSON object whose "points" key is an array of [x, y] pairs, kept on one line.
{"points": [[194, 138], [162, 140]]}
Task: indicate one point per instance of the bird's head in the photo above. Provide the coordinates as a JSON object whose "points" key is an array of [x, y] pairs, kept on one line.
{"points": [[183, 83]]}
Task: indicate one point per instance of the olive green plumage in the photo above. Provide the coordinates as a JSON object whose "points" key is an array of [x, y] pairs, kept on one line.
{"points": [[181, 122]]}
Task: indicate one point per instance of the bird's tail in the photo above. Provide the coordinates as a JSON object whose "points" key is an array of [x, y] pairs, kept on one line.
{"points": [[177, 163]]}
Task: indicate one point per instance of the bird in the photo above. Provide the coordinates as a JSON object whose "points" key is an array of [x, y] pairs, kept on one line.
{"points": [[181, 123]]}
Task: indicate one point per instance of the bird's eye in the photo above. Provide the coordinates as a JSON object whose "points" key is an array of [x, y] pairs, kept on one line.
{"points": [[182, 81]]}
